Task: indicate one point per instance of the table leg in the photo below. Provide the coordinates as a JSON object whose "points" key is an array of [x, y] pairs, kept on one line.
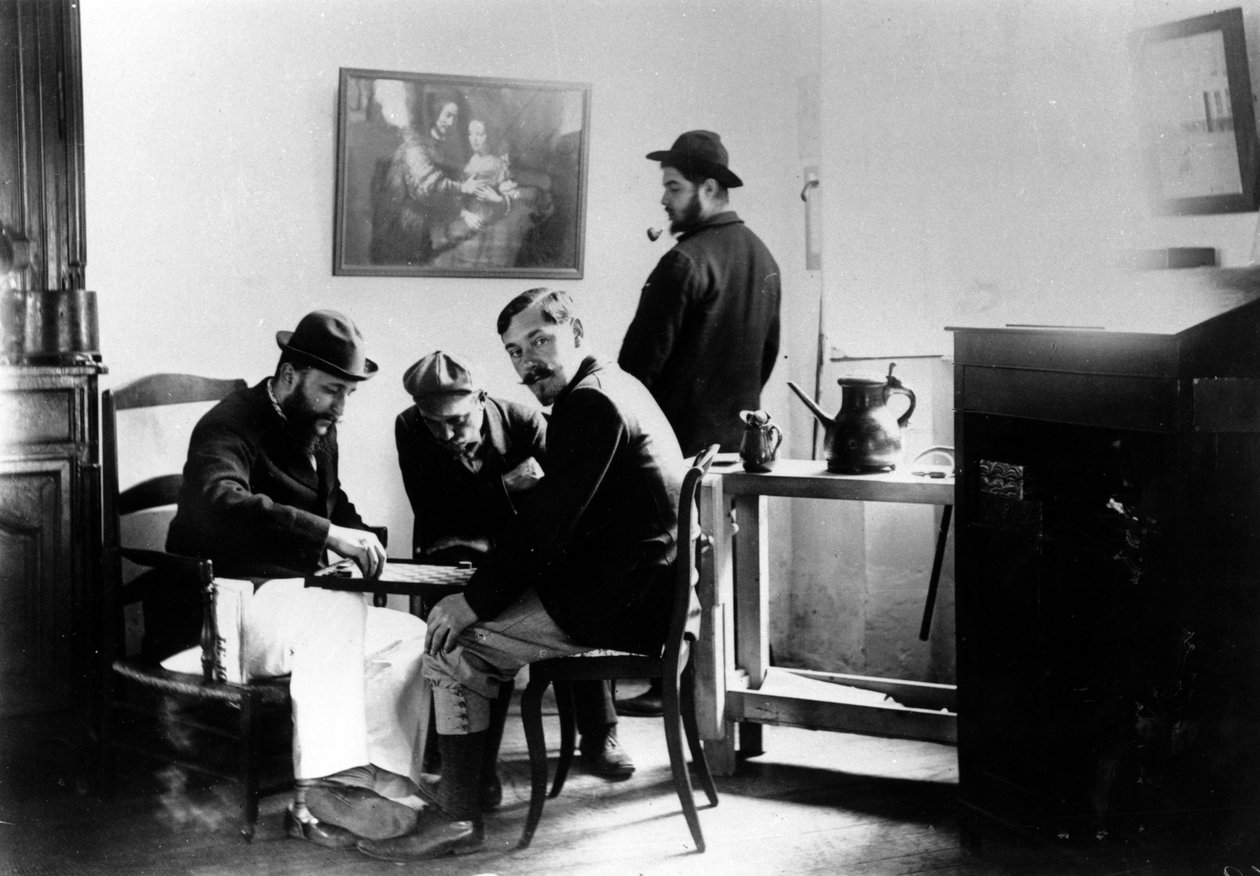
{"points": [[934, 581], [752, 605], [715, 651], [713, 655], [752, 589]]}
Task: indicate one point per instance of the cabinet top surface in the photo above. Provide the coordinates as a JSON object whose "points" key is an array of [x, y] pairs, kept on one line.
{"points": [[1167, 302]]}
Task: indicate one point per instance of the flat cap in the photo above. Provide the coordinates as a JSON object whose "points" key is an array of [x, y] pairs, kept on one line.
{"points": [[439, 373]]}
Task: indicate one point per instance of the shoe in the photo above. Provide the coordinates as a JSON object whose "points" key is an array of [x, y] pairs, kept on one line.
{"points": [[361, 811], [434, 837], [603, 755], [645, 705], [330, 836], [489, 798]]}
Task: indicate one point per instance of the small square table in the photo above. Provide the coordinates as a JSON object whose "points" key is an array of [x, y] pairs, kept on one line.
{"points": [[735, 684]]}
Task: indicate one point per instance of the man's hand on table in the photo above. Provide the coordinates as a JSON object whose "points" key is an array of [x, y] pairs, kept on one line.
{"points": [[358, 545], [450, 617]]}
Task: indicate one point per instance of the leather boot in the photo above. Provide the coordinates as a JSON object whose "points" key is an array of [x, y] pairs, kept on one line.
{"points": [[603, 755], [456, 828], [491, 789]]}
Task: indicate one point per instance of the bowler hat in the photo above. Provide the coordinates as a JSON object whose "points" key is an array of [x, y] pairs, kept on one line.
{"points": [[436, 374], [330, 342], [699, 153]]}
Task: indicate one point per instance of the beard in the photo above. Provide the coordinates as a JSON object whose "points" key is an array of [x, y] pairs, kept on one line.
{"points": [[302, 422], [687, 218]]}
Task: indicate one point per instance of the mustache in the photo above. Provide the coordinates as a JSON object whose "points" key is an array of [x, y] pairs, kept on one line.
{"points": [[536, 376]]}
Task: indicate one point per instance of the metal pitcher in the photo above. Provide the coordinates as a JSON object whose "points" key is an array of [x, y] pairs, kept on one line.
{"points": [[864, 436], [759, 448]]}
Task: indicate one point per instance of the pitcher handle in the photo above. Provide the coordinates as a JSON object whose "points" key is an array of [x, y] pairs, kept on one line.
{"points": [[776, 437], [908, 393]]}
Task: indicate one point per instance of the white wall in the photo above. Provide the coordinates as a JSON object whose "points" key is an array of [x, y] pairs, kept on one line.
{"points": [[210, 140], [977, 156], [980, 164]]}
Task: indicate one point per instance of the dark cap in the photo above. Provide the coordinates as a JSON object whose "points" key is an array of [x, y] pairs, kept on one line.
{"points": [[699, 153], [438, 374], [329, 341]]}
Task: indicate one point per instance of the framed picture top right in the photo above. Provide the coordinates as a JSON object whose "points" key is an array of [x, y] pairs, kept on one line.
{"points": [[1194, 105]]}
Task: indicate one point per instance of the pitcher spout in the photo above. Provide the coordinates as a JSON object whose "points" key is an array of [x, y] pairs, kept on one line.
{"points": [[812, 405]]}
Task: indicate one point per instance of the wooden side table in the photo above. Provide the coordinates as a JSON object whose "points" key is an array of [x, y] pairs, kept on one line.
{"points": [[735, 683]]}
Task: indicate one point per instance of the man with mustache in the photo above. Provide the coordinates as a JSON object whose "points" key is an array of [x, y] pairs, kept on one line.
{"points": [[705, 336], [261, 498], [468, 463], [588, 565]]}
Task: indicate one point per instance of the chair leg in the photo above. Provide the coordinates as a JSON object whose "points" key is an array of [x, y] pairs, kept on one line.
{"points": [[531, 717], [105, 772], [249, 749], [677, 762], [567, 711], [692, 728], [430, 762]]}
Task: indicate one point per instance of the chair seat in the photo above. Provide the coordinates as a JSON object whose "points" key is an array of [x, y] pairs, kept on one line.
{"points": [[269, 692]]}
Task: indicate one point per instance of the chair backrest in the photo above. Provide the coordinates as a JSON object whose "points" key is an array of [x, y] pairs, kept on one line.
{"points": [[146, 489], [686, 571]]}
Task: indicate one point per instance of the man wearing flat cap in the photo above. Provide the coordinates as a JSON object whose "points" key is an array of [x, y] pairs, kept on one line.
{"points": [[468, 462], [705, 336], [261, 499]]}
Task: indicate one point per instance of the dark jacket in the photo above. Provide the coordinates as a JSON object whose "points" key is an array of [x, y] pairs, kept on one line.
{"points": [[598, 540], [447, 498], [706, 333], [251, 501]]}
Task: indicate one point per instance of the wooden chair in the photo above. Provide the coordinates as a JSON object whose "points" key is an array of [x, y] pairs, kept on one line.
{"points": [[672, 667], [245, 715], [156, 692]]}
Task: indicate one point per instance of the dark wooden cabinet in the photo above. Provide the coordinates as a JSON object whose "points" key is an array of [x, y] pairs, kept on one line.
{"points": [[1108, 561], [50, 528]]}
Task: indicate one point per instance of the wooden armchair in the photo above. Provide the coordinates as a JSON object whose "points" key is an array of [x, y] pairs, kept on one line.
{"points": [[180, 705]]}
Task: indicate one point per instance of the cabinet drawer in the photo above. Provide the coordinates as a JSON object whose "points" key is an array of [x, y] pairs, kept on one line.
{"points": [[41, 416]]}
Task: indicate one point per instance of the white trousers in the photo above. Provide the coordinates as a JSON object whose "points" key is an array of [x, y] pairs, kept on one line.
{"points": [[355, 676]]}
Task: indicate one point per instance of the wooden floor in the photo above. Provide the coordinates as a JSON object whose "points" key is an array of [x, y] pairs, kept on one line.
{"points": [[814, 803]]}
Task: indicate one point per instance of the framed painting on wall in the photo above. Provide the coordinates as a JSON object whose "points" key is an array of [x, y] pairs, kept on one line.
{"points": [[1195, 109], [460, 176]]}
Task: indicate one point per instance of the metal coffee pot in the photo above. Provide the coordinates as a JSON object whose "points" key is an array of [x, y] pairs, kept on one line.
{"points": [[759, 448], [864, 436]]}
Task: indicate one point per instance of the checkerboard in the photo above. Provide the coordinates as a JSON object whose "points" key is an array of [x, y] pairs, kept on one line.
{"points": [[400, 576]]}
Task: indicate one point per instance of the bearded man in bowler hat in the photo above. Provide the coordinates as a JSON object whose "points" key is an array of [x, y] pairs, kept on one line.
{"points": [[705, 336], [261, 498]]}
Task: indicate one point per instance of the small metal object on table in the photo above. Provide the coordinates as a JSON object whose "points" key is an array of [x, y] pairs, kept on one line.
{"points": [[425, 583], [736, 686]]}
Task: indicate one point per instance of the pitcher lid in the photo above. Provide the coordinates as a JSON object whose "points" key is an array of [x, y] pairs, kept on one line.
{"points": [[862, 380]]}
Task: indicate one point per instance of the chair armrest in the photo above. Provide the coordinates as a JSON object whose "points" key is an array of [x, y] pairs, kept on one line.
{"points": [[203, 569], [164, 565]]}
